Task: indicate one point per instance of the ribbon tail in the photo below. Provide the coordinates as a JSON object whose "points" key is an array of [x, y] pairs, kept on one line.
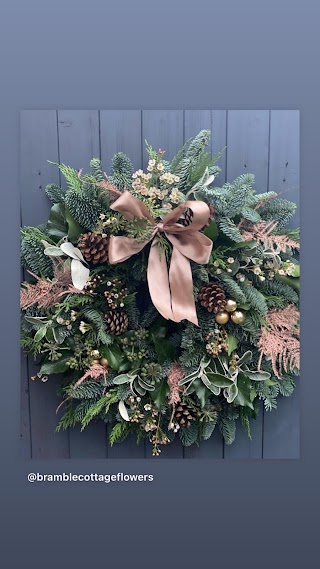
{"points": [[158, 281], [181, 285]]}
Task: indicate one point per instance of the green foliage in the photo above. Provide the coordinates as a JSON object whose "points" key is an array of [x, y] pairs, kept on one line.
{"points": [[245, 420], [278, 210], [254, 298], [83, 209], [227, 425], [189, 436], [96, 171], [32, 252], [155, 356], [191, 166], [233, 288], [229, 228], [55, 193], [121, 171], [96, 318], [119, 433], [85, 390], [276, 288], [101, 406], [71, 176]]}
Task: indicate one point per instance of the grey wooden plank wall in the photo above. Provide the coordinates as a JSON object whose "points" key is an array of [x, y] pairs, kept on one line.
{"points": [[265, 143]]}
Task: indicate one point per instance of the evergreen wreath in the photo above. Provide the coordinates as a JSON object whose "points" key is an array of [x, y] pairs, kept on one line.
{"points": [[90, 314]]}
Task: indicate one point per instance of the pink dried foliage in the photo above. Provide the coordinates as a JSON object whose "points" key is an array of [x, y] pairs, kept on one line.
{"points": [[279, 340], [96, 371], [175, 374], [46, 292], [262, 232]]}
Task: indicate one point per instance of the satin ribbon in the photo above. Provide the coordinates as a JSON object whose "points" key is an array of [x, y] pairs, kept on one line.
{"points": [[171, 291]]}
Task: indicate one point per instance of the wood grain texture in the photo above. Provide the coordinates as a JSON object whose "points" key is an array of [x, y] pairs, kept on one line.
{"points": [[39, 143], [265, 143], [79, 141], [120, 132], [248, 145], [281, 427]]}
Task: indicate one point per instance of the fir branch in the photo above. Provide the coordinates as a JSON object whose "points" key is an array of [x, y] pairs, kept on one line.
{"points": [[119, 432]]}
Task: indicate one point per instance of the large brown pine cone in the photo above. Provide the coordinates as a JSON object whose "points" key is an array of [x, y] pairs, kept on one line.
{"points": [[212, 297], [116, 322], [184, 414], [94, 247]]}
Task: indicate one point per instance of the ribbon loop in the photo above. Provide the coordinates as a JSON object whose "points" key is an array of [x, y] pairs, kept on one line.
{"points": [[171, 292]]}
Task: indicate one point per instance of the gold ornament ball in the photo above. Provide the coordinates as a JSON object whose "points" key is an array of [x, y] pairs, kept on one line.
{"points": [[104, 362], [222, 317], [93, 362], [237, 317], [231, 305], [95, 354]]}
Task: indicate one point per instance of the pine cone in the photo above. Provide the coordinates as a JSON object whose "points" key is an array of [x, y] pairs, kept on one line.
{"points": [[116, 322], [184, 414], [94, 247], [212, 297]]}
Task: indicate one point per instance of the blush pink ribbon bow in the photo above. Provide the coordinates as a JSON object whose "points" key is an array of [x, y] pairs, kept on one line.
{"points": [[171, 292]]}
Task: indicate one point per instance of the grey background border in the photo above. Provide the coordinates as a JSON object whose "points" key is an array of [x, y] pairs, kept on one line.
{"points": [[248, 54]]}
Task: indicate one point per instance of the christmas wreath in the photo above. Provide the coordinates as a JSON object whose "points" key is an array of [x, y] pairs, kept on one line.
{"points": [[168, 304]]}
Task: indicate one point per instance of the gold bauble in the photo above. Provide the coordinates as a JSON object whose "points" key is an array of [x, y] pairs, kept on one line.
{"points": [[231, 305], [222, 317], [104, 362], [93, 362], [95, 354], [237, 317]]}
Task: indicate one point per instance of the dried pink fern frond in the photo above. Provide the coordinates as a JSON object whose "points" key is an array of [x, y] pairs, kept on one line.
{"points": [[46, 292], [279, 340], [175, 374], [262, 232], [96, 371]]}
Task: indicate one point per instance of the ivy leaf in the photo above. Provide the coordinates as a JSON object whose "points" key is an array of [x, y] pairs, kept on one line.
{"points": [[244, 392], [201, 391], [232, 343], [57, 226], [114, 355], [212, 231], [164, 348], [74, 228], [160, 394], [60, 366]]}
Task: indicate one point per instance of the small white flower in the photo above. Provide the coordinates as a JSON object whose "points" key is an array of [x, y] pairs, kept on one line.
{"points": [[230, 260], [218, 271], [83, 327]]}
